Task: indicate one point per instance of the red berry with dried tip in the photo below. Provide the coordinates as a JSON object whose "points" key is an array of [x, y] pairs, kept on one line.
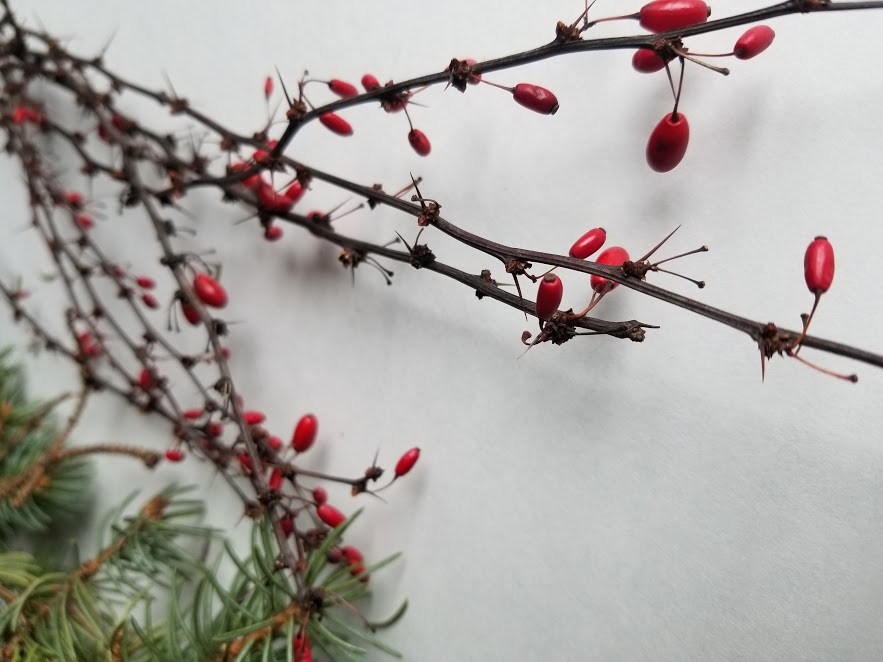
{"points": [[370, 82], [330, 515], [818, 266], [419, 142], [407, 461], [549, 296], [665, 15], [590, 242], [305, 433], [647, 61], [342, 89], [174, 455], [320, 495], [536, 98], [336, 124], [613, 256], [209, 291], [754, 42], [668, 143]]}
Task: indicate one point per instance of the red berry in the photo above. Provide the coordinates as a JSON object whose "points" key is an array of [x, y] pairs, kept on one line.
{"points": [[253, 417], [818, 265], [305, 433], [252, 181], [145, 282], [244, 462], [302, 650], [370, 82], [190, 313], [287, 525], [209, 291], [270, 200], [536, 98], [590, 242], [668, 143], [272, 233], [275, 481], [275, 442], [145, 381], [192, 414], [150, 300], [336, 124], [665, 15], [754, 42], [74, 199], [268, 87], [549, 296], [174, 455], [320, 495], [352, 554], [342, 89], [85, 222], [419, 142], [295, 191], [88, 345], [613, 256], [215, 429], [407, 461], [647, 61], [330, 515], [263, 155]]}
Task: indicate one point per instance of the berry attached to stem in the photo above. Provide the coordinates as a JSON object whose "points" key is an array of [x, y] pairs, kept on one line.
{"points": [[209, 291], [549, 296], [305, 433], [754, 42], [419, 142], [668, 142], [336, 124], [588, 244], [407, 461]]}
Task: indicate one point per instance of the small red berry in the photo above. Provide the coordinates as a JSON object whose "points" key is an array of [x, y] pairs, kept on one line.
{"points": [[275, 442], [215, 429], [88, 345], [263, 155], [342, 89], [150, 300], [268, 87], [209, 291], [419, 142], [665, 15], [336, 124], [320, 495], [370, 82], [145, 282], [74, 199], [352, 554], [85, 222], [275, 480], [549, 296], [287, 525], [647, 61], [270, 200], [668, 143], [613, 256], [302, 650], [536, 98], [145, 381], [295, 191], [244, 462], [252, 181], [253, 417], [272, 233], [174, 455], [192, 414], [407, 461], [190, 313], [590, 242], [818, 266], [330, 515], [225, 352], [305, 433], [754, 42]]}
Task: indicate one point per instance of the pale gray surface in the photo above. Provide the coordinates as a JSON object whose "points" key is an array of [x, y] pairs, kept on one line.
{"points": [[601, 500]]}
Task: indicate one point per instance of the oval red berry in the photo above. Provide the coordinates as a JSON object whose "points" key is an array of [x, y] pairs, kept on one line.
{"points": [[536, 98], [419, 142], [668, 143], [818, 265], [253, 417], [370, 83], [209, 291], [330, 515], [754, 42], [305, 433], [342, 89], [665, 15], [272, 233], [190, 313], [407, 461], [590, 242], [549, 296], [336, 124], [174, 455], [647, 61], [320, 495], [613, 256]]}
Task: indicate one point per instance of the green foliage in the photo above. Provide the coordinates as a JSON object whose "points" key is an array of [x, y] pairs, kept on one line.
{"points": [[26, 432]]}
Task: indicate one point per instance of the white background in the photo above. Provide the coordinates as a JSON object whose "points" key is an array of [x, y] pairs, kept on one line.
{"points": [[600, 500]]}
